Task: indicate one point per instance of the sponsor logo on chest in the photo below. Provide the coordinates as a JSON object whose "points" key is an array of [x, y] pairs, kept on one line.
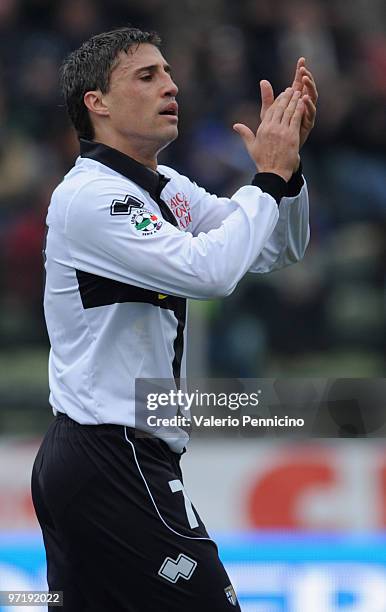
{"points": [[179, 204]]}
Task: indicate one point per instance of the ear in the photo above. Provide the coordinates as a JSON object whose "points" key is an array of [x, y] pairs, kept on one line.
{"points": [[95, 103]]}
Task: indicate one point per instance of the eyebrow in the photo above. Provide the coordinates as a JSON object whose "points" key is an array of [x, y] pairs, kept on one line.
{"points": [[152, 68]]}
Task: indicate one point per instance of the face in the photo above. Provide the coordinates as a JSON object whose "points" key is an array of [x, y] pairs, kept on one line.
{"points": [[141, 98]]}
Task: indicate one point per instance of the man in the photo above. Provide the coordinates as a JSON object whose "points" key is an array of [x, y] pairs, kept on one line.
{"points": [[119, 530]]}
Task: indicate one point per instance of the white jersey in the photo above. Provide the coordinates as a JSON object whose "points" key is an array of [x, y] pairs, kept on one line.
{"points": [[125, 247]]}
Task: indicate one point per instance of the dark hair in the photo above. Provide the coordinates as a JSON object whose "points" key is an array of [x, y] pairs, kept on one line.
{"points": [[89, 68]]}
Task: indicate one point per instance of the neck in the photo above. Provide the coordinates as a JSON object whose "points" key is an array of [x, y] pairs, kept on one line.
{"points": [[136, 150]]}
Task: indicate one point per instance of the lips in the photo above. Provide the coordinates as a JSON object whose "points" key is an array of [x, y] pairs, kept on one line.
{"points": [[171, 110]]}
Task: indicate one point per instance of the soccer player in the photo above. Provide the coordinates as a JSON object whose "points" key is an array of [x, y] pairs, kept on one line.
{"points": [[128, 242]]}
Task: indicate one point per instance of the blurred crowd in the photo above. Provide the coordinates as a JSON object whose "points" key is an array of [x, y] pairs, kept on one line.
{"points": [[325, 316]]}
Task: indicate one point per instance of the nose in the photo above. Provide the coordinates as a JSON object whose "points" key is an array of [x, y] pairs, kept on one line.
{"points": [[171, 89]]}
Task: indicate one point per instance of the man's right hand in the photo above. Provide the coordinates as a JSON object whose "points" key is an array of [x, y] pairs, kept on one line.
{"points": [[275, 146]]}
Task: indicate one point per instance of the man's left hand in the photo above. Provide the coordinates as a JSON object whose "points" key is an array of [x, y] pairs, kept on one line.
{"points": [[304, 82]]}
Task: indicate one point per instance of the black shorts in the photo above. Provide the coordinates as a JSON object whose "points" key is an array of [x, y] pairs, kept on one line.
{"points": [[120, 533]]}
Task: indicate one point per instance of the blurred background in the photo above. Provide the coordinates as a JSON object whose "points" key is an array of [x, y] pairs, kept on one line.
{"points": [[299, 525]]}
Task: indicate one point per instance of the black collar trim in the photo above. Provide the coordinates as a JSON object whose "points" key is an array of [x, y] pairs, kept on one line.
{"points": [[153, 182]]}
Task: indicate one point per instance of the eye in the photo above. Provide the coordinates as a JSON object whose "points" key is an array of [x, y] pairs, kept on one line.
{"points": [[147, 77]]}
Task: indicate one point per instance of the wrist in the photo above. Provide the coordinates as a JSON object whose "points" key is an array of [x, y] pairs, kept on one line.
{"points": [[272, 183], [296, 182], [284, 174]]}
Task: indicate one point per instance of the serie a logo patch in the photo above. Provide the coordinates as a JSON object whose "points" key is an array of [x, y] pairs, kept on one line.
{"points": [[146, 222]]}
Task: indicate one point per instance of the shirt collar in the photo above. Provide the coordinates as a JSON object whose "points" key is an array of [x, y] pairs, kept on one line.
{"points": [[153, 182]]}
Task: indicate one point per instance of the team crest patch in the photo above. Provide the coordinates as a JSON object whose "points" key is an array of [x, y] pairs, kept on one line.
{"points": [[145, 222], [231, 595], [125, 206]]}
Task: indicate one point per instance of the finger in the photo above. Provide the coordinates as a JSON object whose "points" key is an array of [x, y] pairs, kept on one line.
{"points": [[289, 111], [275, 112], [297, 116], [307, 73], [310, 108], [246, 134], [304, 71], [267, 97], [297, 82], [310, 77], [309, 85]]}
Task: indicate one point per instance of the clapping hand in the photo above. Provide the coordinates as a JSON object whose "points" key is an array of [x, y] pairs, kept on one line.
{"points": [[303, 82]]}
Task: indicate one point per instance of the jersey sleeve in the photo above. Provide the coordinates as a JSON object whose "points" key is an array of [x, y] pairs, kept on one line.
{"points": [[286, 244], [139, 247]]}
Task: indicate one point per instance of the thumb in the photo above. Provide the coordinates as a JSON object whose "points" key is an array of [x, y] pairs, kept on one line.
{"points": [[246, 134]]}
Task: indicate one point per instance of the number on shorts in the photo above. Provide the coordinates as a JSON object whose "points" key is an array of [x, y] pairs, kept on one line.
{"points": [[175, 486]]}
